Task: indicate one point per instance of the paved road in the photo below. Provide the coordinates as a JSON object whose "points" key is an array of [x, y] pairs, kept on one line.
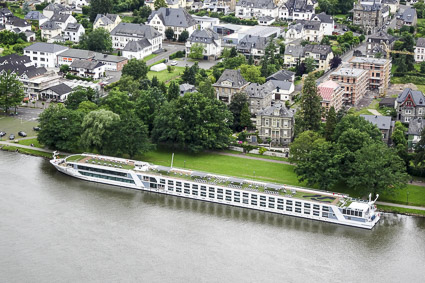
{"points": [[171, 48], [400, 205]]}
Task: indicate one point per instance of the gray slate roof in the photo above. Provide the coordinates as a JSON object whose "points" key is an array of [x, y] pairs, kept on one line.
{"points": [[382, 35], [382, 122], [172, 17], [78, 53], [233, 76], [135, 30], [61, 18], [135, 46], [203, 36], [257, 4], [408, 15], [298, 6], [17, 22], [420, 42], [255, 90], [60, 89], [85, 64], [294, 50], [72, 27], [49, 25], [46, 47], [416, 126], [252, 41], [106, 19], [282, 85], [15, 59], [417, 96], [35, 16], [297, 27], [57, 7], [20, 70], [282, 75], [283, 111], [323, 50], [323, 18]]}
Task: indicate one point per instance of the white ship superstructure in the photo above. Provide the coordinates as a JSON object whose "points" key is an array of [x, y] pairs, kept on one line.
{"points": [[275, 198]]}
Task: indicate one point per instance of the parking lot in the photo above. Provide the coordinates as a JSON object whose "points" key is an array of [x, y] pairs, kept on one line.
{"points": [[25, 120]]}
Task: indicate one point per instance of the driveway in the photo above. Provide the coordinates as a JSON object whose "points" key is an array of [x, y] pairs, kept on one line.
{"points": [[171, 48]]}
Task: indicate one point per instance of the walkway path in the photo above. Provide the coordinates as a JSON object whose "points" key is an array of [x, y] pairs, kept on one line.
{"points": [[30, 147], [400, 205], [374, 112]]}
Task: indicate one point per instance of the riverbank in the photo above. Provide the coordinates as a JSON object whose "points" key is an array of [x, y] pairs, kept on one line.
{"points": [[401, 210]]}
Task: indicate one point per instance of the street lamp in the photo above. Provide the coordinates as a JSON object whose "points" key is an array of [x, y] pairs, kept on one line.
{"points": [[184, 164], [407, 197]]}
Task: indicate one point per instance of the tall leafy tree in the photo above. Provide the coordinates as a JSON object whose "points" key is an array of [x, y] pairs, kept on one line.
{"points": [[148, 105], [60, 128], [330, 124], [118, 102], [194, 122], [184, 35], [309, 115], [206, 88], [11, 91], [169, 33], [419, 159], [238, 102], [252, 74], [135, 68], [246, 117], [197, 51], [159, 4], [79, 95], [98, 40], [100, 7], [97, 127], [173, 91]]}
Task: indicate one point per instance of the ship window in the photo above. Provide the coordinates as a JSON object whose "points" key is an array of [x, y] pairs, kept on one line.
{"points": [[179, 184], [195, 193], [245, 195], [211, 195], [245, 200], [316, 206], [289, 202], [171, 189], [271, 199], [324, 214], [186, 191], [186, 185], [271, 205], [212, 189], [262, 204], [344, 211], [315, 213], [279, 200], [237, 200], [298, 210], [238, 194], [280, 207], [289, 208], [297, 203], [152, 180], [170, 182], [307, 205], [162, 181], [306, 211], [154, 186], [325, 208], [262, 198], [220, 196], [195, 187], [220, 191], [253, 202], [203, 194], [254, 196], [228, 198], [361, 213], [179, 190], [228, 192], [356, 213], [203, 188]]}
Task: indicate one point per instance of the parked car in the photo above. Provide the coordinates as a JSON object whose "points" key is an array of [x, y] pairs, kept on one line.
{"points": [[22, 134], [173, 63], [11, 137], [36, 129], [2, 134]]}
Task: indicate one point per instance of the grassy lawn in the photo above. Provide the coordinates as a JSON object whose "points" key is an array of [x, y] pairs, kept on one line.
{"points": [[33, 141], [127, 19], [401, 210], [12, 125], [147, 58], [421, 88], [363, 111], [27, 151], [416, 196], [165, 76]]}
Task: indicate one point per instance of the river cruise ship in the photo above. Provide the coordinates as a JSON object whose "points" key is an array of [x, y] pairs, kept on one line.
{"points": [[275, 198]]}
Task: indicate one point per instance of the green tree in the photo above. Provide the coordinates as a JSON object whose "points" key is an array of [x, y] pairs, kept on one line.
{"points": [[100, 7], [184, 35], [148, 105], [60, 128], [399, 134], [422, 67], [206, 88], [252, 74], [197, 51], [97, 127], [98, 40], [302, 145], [87, 106], [117, 102], [169, 33], [79, 95], [159, 4], [11, 91], [193, 122], [378, 169], [136, 69], [310, 65], [238, 102], [330, 124], [233, 52], [419, 158], [131, 136], [246, 118], [25, 8], [309, 115], [189, 74], [173, 91], [234, 62], [359, 123]]}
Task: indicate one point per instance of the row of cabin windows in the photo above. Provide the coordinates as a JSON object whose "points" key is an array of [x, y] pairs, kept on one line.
{"points": [[112, 178]]}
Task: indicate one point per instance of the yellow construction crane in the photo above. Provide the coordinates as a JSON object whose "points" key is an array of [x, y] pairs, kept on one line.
{"points": [[388, 51]]}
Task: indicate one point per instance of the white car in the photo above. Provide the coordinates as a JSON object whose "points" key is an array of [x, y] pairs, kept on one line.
{"points": [[173, 63]]}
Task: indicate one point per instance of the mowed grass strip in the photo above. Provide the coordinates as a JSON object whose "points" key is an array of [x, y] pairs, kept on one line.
{"points": [[165, 76], [401, 210]]}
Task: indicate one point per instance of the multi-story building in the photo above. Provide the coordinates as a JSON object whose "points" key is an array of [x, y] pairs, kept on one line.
{"points": [[410, 104], [376, 43], [87, 69], [370, 17], [293, 55], [50, 30], [107, 21], [259, 96], [384, 124], [313, 31], [322, 54], [123, 33], [252, 45], [209, 40], [407, 18], [5, 14], [256, 9], [414, 134], [17, 24], [63, 20], [296, 10], [420, 49], [110, 62], [229, 83], [354, 83], [277, 123], [204, 22], [73, 32], [331, 93], [294, 32], [178, 20], [326, 21], [379, 71], [44, 54]]}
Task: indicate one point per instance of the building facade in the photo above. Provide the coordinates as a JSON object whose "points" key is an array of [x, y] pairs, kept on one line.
{"points": [[354, 83], [410, 105], [379, 71], [276, 123], [229, 83]]}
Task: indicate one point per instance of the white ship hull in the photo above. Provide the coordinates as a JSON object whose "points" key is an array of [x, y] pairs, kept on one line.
{"points": [[334, 212]]}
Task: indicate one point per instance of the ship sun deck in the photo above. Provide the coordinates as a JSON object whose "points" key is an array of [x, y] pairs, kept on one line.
{"points": [[213, 179]]}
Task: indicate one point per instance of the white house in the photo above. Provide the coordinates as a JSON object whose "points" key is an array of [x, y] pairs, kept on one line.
{"points": [[137, 49], [37, 17], [282, 90], [313, 31], [108, 21], [209, 39], [57, 92], [73, 32], [177, 19], [53, 8], [63, 20], [294, 32], [296, 10], [420, 50], [17, 24], [205, 22], [87, 69], [50, 30], [256, 9], [44, 54], [326, 21], [5, 14], [123, 33]]}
